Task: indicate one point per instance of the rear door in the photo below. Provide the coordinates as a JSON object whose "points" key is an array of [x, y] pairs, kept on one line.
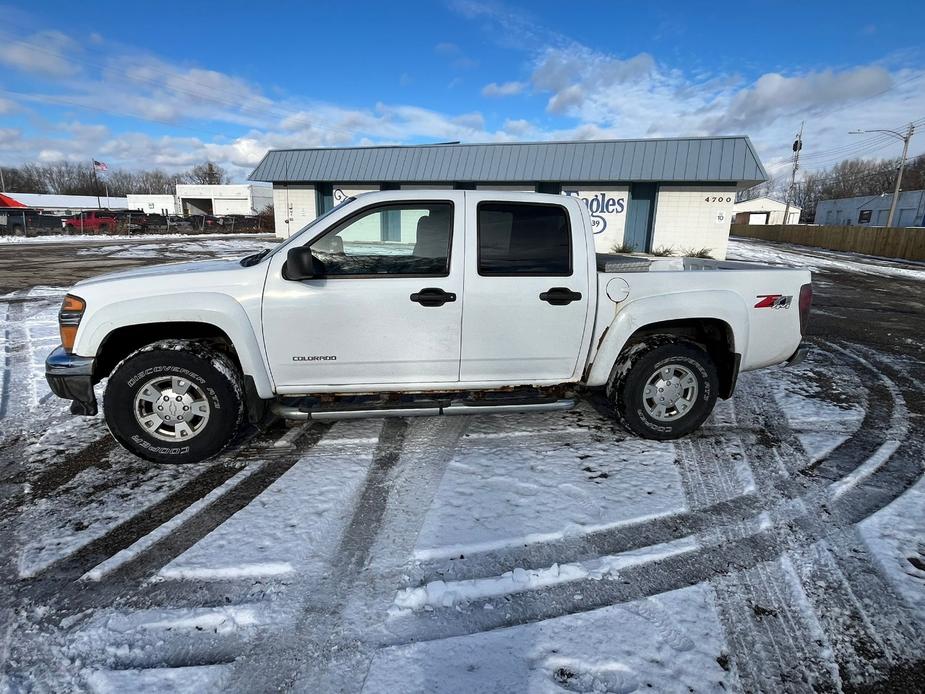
{"points": [[527, 290]]}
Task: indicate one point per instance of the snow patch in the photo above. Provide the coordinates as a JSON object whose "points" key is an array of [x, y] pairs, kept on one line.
{"points": [[447, 594]]}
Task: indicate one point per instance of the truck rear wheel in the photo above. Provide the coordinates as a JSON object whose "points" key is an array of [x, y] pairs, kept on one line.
{"points": [[664, 387], [174, 402]]}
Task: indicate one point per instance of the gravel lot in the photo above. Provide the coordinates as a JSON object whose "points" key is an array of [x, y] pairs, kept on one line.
{"points": [[780, 549]]}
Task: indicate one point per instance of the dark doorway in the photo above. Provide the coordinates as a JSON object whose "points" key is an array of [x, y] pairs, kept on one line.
{"points": [[639, 216]]}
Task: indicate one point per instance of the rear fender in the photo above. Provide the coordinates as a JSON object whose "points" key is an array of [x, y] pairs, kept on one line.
{"points": [[721, 305]]}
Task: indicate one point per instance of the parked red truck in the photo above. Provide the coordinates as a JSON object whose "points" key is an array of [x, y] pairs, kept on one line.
{"points": [[93, 222]]}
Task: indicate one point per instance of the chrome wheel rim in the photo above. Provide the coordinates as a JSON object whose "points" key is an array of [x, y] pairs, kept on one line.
{"points": [[171, 409], [670, 393]]}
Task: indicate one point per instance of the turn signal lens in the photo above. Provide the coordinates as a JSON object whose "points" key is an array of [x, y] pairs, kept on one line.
{"points": [[72, 311], [68, 334], [73, 304]]}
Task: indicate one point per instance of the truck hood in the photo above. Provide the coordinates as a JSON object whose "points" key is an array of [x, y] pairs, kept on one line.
{"points": [[164, 270]]}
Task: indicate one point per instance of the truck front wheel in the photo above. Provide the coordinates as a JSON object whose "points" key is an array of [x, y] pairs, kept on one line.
{"points": [[664, 387], [174, 402]]}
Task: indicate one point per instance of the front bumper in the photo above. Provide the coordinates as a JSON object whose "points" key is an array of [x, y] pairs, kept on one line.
{"points": [[799, 355], [71, 377]]}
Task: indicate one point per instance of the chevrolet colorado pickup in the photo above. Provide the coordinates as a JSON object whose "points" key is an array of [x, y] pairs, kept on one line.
{"points": [[407, 303]]}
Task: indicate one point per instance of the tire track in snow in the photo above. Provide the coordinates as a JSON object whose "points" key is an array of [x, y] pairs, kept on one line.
{"points": [[329, 648], [725, 508], [76, 595], [17, 368], [752, 545], [871, 629], [74, 601], [56, 581], [765, 618]]}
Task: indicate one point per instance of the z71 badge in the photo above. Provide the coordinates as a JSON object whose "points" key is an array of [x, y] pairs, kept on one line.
{"points": [[774, 301]]}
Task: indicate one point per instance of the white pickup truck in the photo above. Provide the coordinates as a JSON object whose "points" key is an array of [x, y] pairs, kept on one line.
{"points": [[406, 303]]}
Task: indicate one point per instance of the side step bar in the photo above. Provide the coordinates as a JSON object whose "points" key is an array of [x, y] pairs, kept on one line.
{"points": [[457, 407]]}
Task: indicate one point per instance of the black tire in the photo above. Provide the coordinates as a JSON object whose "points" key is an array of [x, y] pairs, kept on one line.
{"points": [[641, 362], [209, 373]]}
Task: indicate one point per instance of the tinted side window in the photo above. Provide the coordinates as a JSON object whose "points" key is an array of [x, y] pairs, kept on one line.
{"points": [[523, 239], [402, 239]]}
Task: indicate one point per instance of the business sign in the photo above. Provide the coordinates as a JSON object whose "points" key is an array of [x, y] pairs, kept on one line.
{"points": [[608, 213]]}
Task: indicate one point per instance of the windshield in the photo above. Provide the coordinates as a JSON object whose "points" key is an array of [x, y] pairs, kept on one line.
{"points": [[255, 258]]}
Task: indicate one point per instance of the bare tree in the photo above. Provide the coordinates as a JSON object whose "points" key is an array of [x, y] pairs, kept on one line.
{"points": [[78, 178], [206, 173], [774, 187]]}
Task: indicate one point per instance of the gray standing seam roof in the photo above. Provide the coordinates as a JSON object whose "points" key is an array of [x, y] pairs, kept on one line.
{"points": [[691, 159]]}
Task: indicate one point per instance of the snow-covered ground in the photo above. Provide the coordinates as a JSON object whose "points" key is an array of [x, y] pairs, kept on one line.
{"points": [[816, 259], [83, 239], [779, 549]]}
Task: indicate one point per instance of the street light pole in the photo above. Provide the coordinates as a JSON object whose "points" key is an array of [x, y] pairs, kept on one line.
{"points": [[902, 163]]}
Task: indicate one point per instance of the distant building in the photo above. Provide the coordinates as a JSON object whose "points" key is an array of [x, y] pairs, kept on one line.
{"points": [[219, 200], [642, 194], [66, 204], [764, 210], [873, 210], [154, 204]]}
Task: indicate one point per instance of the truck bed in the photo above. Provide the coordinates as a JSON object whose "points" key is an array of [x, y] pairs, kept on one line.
{"points": [[613, 263]]}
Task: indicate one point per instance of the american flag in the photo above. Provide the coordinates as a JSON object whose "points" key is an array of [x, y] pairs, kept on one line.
{"points": [[100, 165]]}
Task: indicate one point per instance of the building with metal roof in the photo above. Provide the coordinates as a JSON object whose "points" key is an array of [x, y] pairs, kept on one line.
{"points": [[642, 194], [873, 210], [765, 210]]}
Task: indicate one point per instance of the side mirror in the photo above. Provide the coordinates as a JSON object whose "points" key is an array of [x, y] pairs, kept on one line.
{"points": [[302, 265]]}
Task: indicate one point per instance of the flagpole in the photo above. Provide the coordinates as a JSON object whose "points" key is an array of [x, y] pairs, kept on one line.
{"points": [[96, 182]]}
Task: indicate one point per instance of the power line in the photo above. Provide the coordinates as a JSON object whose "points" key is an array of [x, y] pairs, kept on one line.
{"points": [[869, 174]]}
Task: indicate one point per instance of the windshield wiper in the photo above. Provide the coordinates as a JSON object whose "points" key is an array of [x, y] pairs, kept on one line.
{"points": [[255, 258]]}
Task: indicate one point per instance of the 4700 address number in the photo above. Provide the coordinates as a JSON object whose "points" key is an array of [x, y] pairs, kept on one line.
{"points": [[717, 198]]}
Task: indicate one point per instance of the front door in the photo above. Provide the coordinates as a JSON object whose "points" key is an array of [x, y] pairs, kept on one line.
{"points": [[387, 309], [527, 292], [638, 233]]}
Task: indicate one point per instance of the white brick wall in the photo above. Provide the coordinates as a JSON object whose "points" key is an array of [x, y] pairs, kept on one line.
{"points": [[293, 208], [694, 217]]}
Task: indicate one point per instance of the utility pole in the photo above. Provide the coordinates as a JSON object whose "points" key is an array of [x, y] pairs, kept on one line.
{"points": [[902, 163], [797, 146]]}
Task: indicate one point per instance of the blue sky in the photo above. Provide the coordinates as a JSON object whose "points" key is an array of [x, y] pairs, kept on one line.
{"points": [[170, 84]]}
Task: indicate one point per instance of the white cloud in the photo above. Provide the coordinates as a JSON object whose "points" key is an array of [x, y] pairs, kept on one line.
{"points": [[43, 53], [503, 89], [773, 95], [588, 94], [566, 99], [519, 127]]}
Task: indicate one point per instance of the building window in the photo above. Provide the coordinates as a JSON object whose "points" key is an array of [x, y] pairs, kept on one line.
{"points": [[523, 239], [864, 216], [418, 243], [552, 188]]}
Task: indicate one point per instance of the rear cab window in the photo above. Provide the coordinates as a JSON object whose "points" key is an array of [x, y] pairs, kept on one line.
{"points": [[523, 239]]}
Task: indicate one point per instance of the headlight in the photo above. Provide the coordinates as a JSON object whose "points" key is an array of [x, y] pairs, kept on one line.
{"points": [[72, 310]]}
